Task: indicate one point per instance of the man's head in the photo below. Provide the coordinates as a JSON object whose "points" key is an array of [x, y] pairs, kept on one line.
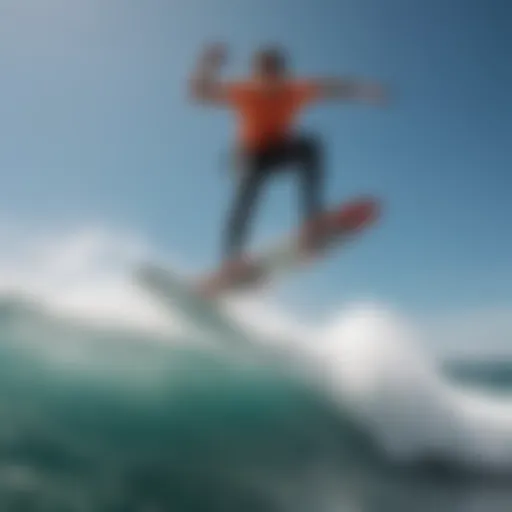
{"points": [[270, 63]]}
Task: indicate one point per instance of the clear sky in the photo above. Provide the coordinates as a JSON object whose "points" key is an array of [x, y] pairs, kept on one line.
{"points": [[95, 126]]}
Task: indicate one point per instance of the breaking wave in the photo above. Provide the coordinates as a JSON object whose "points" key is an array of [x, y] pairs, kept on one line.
{"points": [[111, 401]]}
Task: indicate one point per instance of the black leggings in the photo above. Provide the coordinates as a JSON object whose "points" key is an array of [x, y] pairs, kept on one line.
{"points": [[304, 153]]}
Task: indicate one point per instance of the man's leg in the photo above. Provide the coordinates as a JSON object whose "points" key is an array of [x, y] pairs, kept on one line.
{"points": [[307, 154], [241, 211]]}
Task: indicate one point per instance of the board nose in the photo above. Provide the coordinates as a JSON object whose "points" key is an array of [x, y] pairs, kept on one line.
{"points": [[356, 214]]}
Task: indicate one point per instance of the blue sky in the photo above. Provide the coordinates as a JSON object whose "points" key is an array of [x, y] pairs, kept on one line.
{"points": [[95, 127]]}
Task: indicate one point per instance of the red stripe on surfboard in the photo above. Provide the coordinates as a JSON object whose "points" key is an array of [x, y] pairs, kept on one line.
{"points": [[350, 216]]}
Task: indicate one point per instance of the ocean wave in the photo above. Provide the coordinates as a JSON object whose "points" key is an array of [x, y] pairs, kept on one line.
{"points": [[108, 398]]}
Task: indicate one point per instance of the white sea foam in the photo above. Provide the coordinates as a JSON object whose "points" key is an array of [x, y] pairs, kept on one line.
{"points": [[372, 358]]}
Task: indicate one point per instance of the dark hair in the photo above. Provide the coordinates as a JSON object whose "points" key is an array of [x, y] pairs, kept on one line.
{"points": [[272, 56]]}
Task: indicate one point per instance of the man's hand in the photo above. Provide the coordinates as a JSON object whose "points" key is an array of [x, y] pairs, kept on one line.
{"points": [[204, 84], [214, 56]]}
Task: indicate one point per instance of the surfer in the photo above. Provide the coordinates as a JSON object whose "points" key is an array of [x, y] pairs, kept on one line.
{"points": [[267, 104]]}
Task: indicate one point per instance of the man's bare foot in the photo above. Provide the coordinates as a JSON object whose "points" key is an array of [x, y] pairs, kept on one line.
{"points": [[241, 272]]}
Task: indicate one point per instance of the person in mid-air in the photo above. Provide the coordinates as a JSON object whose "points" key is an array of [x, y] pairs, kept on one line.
{"points": [[268, 103]]}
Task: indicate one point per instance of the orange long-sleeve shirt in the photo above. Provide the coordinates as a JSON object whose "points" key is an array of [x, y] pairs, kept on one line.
{"points": [[266, 114]]}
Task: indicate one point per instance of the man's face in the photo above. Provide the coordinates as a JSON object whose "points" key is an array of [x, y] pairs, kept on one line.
{"points": [[268, 67]]}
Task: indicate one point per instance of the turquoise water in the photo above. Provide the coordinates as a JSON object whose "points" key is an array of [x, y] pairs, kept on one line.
{"points": [[109, 419]]}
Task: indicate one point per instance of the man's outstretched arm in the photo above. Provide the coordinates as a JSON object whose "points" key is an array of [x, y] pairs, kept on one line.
{"points": [[346, 89], [205, 85]]}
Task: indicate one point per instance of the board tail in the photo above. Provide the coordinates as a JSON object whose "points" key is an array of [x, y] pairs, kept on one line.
{"points": [[199, 312]]}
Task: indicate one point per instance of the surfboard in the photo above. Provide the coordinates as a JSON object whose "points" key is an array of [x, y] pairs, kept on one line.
{"points": [[333, 228]]}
